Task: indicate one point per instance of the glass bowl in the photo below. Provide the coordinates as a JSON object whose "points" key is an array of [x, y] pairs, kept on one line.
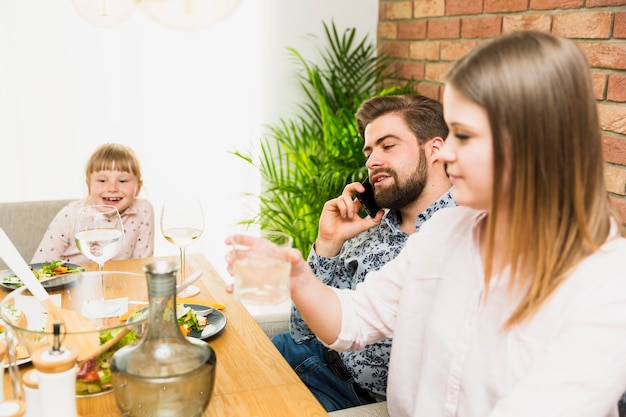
{"points": [[76, 294]]}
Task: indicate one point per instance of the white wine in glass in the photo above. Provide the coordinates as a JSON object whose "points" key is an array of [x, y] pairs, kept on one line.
{"points": [[99, 236], [182, 222]]}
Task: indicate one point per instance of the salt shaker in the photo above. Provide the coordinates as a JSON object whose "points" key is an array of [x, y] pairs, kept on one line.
{"points": [[30, 382], [57, 378], [12, 408]]}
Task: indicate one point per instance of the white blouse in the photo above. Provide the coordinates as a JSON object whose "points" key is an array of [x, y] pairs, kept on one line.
{"points": [[450, 356]]}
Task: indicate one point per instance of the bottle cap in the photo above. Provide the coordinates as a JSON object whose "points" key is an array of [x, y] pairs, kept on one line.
{"points": [[56, 358]]}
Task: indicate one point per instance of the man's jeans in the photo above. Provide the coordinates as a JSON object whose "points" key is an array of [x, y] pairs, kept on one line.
{"points": [[307, 359]]}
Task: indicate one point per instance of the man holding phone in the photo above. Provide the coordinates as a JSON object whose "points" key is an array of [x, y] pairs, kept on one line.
{"points": [[402, 138]]}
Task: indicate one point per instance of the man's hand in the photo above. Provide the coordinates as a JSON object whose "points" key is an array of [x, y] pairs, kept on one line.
{"points": [[340, 221]]}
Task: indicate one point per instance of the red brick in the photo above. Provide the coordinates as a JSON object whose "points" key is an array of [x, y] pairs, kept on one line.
{"points": [[458, 7], [381, 11], [427, 50], [444, 29], [429, 90], [391, 71], [451, 51], [496, 6], [481, 27], [616, 89], [619, 27], [619, 204], [612, 117], [614, 149], [409, 70], [583, 25], [605, 55], [414, 29], [600, 3], [399, 10], [429, 8], [387, 30], [616, 179], [599, 84], [555, 4], [379, 47], [512, 23], [397, 49], [436, 71]]}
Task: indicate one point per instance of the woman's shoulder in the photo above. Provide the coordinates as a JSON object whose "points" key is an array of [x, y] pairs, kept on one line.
{"points": [[446, 224], [455, 215]]}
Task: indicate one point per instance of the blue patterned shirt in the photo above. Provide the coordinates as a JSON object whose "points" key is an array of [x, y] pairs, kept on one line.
{"points": [[368, 251]]}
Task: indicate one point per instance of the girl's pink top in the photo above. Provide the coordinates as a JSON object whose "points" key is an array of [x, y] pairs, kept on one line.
{"points": [[58, 241]]}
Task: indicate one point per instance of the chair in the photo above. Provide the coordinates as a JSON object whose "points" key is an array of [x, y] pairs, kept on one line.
{"points": [[25, 223]]}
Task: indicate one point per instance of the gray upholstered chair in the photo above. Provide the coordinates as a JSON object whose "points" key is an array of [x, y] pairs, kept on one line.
{"points": [[25, 223]]}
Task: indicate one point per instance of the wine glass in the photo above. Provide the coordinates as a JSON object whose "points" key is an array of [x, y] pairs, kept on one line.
{"points": [[99, 236], [182, 222]]}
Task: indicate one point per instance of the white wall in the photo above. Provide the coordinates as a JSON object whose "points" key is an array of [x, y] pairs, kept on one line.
{"points": [[66, 87]]}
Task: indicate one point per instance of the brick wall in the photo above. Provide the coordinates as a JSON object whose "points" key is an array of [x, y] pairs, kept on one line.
{"points": [[424, 37]]}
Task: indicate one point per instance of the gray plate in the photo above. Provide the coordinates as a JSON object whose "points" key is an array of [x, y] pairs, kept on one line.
{"points": [[216, 321], [49, 283]]}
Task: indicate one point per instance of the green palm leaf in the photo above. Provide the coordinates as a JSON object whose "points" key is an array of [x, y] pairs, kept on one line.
{"points": [[308, 160]]}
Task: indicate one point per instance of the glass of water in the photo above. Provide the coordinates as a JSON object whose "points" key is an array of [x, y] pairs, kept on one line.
{"points": [[261, 273]]}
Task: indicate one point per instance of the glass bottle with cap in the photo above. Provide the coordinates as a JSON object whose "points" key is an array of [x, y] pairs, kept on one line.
{"points": [[166, 373]]}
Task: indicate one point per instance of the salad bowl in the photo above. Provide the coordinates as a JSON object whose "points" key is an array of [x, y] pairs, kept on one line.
{"points": [[26, 316]]}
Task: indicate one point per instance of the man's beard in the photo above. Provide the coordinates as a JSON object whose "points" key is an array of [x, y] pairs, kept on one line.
{"points": [[402, 193]]}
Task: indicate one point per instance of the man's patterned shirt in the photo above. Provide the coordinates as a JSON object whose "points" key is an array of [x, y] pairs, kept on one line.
{"points": [[368, 251]]}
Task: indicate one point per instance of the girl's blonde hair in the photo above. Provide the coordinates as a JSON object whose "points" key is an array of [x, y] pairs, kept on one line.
{"points": [[114, 157], [538, 93]]}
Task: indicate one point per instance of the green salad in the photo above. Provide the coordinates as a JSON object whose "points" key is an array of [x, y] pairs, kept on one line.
{"points": [[95, 374], [47, 270]]}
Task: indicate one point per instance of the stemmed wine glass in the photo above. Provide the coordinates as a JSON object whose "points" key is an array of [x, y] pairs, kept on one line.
{"points": [[99, 236], [182, 222]]}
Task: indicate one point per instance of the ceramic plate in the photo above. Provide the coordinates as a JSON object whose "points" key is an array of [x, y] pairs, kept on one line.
{"points": [[216, 321], [10, 281]]}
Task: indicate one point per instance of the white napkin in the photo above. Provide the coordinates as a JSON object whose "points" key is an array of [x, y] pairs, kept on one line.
{"points": [[113, 307], [36, 316]]}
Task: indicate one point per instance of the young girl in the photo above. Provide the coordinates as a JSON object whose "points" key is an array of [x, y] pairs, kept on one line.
{"points": [[113, 177], [514, 303]]}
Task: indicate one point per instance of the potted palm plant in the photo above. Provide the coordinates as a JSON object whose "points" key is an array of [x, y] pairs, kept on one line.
{"points": [[308, 159]]}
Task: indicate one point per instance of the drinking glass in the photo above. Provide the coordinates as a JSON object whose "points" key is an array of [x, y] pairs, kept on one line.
{"points": [[99, 236], [261, 273], [182, 222]]}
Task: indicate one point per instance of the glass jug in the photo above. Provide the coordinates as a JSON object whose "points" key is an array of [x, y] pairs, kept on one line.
{"points": [[166, 374]]}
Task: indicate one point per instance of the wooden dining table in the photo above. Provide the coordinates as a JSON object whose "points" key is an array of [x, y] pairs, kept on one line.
{"points": [[252, 378]]}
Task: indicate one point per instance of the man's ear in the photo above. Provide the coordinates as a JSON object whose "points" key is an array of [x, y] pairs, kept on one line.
{"points": [[435, 146]]}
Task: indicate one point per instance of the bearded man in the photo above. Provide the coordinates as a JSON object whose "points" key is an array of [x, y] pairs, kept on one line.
{"points": [[402, 139]]}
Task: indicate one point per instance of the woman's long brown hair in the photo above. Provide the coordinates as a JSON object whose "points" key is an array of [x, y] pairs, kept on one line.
{"points": [[538, 93]]}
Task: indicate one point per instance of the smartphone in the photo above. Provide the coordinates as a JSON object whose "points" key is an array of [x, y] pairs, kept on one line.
{"points": [[367, 198]]}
